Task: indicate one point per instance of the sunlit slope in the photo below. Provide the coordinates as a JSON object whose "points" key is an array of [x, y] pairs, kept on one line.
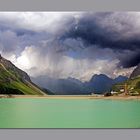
{"points": [[131, 85], [16, 81], [134, 84]]}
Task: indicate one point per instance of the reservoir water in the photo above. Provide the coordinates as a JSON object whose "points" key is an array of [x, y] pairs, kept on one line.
{"points": [[69, 113]]}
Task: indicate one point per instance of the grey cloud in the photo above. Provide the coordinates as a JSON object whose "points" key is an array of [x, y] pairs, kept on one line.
{"points": [[116, 31], [77, 45], [8, 41]]}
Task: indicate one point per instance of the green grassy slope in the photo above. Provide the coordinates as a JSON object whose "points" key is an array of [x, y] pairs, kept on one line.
{"points": [[134, 84], [11, 82]]}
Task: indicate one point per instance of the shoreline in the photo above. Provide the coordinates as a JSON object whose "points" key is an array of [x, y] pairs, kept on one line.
{"points": [[127, 97]]}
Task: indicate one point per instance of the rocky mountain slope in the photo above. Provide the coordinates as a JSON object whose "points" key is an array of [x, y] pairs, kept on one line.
{"points": [[15, 81], [134, 81], [136, 72]]}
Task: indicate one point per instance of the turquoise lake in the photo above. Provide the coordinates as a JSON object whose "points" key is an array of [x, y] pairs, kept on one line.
{"points": [[69, 113]]}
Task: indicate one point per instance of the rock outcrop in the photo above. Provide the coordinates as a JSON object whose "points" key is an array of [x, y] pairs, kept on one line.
{"points": [[136, 72]]}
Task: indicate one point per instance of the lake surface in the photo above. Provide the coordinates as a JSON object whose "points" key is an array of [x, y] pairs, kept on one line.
{"points": [[69, 113]]}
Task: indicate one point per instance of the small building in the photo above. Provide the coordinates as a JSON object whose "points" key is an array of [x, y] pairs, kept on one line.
{"points": [[121, 90], [114, 92]]}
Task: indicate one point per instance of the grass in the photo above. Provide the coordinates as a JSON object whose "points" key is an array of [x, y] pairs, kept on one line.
{"points": [[134, 84], [25, 89], [22, 87], [10, 79]]}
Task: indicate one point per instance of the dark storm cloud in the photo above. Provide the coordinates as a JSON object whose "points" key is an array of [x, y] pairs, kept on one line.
{"points": [[98, 29], [109, 30], [71, 44], [129, 58]]}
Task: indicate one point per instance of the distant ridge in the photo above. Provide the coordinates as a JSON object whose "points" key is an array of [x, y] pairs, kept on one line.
{"points": [[97, 84]]}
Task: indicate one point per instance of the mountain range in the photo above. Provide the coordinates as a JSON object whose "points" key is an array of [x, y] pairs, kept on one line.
{"points": [[71, 86]]}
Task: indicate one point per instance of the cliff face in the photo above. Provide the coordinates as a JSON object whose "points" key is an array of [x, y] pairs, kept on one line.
{"points": [[136, 72], [15, 81]]}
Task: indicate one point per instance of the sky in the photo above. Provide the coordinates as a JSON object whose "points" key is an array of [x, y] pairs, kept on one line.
{"points": [[71, 44]]}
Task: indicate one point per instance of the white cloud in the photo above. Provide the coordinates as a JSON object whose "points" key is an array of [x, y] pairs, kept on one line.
{"points": [[123, 71], [45, 61], [38, 21]]}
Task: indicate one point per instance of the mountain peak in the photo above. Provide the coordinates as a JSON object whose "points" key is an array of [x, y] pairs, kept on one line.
{"points": [[121, 77], [99, 76]]}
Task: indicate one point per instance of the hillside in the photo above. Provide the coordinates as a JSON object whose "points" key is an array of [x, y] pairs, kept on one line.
{"points": [[134, 80], [133, 83], [15, 81], [132, 86]]}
